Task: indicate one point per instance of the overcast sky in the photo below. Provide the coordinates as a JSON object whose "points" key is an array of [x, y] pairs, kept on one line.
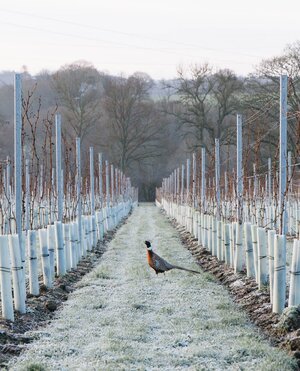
{"points": [[153, 36]]}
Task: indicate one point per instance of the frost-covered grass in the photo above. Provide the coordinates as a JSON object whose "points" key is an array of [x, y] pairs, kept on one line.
{"points": [[124, 317]]}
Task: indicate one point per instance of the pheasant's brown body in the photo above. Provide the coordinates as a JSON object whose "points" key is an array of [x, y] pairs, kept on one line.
{"points": [[157, 263], [150, 258]]}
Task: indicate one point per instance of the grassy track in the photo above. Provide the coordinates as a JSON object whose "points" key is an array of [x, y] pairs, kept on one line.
{"points": [[124, 317]]}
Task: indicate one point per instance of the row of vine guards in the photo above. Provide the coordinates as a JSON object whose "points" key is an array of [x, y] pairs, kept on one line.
{"points": [[46, 233], [246, 227]]}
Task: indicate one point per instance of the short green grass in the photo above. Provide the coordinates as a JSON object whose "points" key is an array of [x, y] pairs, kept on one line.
{"points": [[35, 367]]}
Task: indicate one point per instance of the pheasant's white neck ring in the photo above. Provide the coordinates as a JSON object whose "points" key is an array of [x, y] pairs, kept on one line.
{"points": [[149, 248]]}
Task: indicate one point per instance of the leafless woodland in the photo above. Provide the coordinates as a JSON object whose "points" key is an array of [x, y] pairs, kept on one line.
{"points": [[147, 127]]}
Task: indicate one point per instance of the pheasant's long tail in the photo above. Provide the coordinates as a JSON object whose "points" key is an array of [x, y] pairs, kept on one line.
{"points": [[185, 269]]}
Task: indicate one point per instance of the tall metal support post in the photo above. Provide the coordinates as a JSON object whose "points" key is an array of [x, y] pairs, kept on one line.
{"points": [[279, 287], [269, 190], [107, 183], [7, 185], [18, 156], [175, 184], [78, 188], [283, 153], [58, 168], [194, 179], [19, 283], [92, 181], [239, 253], [178, 183], [218, 203], [27, 195], [100, 164], [173, 177], [188, 175], [217, 176], [182, 183], [116, 184], [203, 181], [112, 183], [226, 185], [239, 169]]}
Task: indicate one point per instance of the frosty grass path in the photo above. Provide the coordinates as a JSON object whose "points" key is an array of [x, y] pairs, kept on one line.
{"points": [[124, 317]]}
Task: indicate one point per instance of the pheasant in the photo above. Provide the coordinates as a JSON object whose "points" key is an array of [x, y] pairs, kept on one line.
{"points": [[159, 264]]}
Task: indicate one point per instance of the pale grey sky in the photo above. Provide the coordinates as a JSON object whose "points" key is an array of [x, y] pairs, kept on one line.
{"points": [[153, 36]]}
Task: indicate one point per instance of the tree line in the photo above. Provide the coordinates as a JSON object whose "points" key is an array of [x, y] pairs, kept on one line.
{"points": [[146, 127]]}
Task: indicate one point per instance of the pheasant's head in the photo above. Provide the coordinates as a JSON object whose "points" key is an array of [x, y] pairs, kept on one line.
{"points": [[148, 244]]}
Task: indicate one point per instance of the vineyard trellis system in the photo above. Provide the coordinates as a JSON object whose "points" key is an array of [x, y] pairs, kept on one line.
{"points": [[243, 220], [51, 217]]}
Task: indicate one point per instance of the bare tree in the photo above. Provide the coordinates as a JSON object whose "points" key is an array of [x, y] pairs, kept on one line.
{"points": [[132, 120], [79, 88], [202, 102], [189, 101], [226, 92]]}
